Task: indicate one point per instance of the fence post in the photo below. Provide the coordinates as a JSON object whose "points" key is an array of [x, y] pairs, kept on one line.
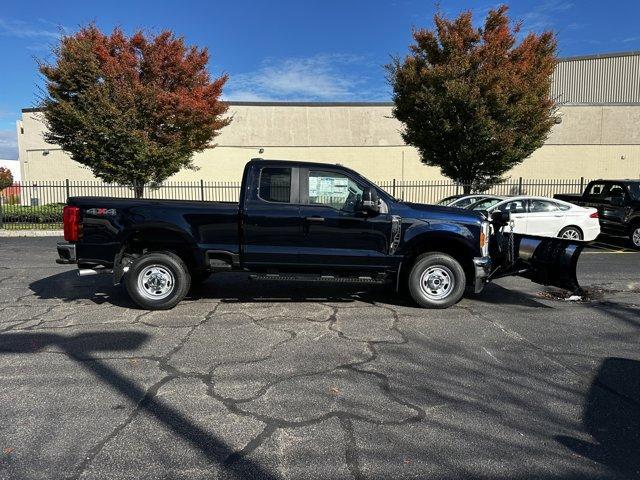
{"points": [[202, 190], [520, 186], [393, 189], [581, 184], [66, 183]]}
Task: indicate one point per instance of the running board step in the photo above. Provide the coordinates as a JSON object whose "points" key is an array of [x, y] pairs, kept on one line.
{"points": [[276, 277]]}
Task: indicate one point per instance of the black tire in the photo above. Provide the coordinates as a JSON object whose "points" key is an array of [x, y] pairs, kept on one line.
{"points": [[169, 280], [578, 235], [441, 270], [634, 236]]}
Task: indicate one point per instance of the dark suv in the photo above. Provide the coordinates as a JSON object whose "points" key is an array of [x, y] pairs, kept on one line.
{"points": [[618, 204]]}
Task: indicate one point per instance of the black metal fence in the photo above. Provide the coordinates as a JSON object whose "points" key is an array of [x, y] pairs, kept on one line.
{"points": [[38, 205]]}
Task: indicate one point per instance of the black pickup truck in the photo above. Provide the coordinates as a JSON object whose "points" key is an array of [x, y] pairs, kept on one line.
{"points": [[302, 221], [618, 204]]}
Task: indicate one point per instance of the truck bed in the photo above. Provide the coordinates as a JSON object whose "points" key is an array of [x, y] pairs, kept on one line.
{"points": [[201, 226]]}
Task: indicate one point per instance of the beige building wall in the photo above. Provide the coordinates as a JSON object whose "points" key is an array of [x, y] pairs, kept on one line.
{"points": [[590, 142]]}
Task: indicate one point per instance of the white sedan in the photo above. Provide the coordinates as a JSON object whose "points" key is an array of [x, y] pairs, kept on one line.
{"points": [[548, 217]]}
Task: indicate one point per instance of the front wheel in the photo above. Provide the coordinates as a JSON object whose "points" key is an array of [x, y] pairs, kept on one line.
{"points": [[158, 280], [437, 280], [634, 236]]}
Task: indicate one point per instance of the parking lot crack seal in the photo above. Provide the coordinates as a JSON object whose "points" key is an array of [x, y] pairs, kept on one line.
{"points": [[254, 443], [351, 450]]}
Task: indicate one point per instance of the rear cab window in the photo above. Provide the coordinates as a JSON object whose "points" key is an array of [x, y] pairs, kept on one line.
{"points": [[595, 191], [275, 184]]}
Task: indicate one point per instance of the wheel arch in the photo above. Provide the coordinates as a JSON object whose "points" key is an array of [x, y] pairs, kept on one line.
{"points": [[457, 246], [571, 226], [167, 238]]}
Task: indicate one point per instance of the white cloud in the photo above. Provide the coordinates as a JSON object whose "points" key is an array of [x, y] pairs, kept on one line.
{"points": [[8, 145], [326, 77], [544, 15], [20, 29]]}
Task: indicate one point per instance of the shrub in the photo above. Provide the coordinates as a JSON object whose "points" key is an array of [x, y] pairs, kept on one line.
{"points": [[51, 213]]}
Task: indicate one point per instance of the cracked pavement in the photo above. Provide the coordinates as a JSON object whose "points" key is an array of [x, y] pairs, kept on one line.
{"points": [[266, 380]]}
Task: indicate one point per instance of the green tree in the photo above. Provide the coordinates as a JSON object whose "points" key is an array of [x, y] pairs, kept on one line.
{"points": [[132, 109], [474, 101]]}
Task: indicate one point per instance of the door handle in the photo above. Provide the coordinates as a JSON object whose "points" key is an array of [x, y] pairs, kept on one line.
{"points": [[314, 219]]}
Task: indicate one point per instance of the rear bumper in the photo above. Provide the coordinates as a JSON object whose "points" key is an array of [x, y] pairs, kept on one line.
{"points": [[66, 253], [591, 232], [482, 267]]}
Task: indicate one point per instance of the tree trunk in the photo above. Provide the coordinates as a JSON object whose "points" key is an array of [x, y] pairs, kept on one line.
{"points": [[466, 188], [138, 189]]}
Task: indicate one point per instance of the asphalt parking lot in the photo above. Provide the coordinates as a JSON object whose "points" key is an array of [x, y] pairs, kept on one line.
{"points": [[254, 380]]}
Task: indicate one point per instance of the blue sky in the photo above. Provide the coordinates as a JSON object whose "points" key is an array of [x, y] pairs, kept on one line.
{"points": [[316, 50]]}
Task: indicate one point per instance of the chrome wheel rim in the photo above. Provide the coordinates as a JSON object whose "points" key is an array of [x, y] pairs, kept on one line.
{"points": [[156, 282], [636, 237], [571, 234], [437, 282]]}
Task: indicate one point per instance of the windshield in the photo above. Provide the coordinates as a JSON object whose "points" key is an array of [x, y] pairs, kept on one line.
{"points": [[484, 204], [447, 201], [634, 190]]}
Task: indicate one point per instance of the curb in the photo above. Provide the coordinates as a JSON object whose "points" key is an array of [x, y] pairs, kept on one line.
{"points": [[31, 233]]}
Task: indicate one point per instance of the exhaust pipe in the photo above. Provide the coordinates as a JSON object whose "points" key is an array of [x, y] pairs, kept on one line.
{"points": [[87, 272]]}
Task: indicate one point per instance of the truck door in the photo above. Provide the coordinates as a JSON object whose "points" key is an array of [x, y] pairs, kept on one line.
{"points": [[271, 228], [613, 209], [336, 233]]}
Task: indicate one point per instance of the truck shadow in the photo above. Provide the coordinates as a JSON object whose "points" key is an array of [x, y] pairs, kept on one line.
{"points": [[83, 347], [237, 287], [612, 417], [69, 287]]}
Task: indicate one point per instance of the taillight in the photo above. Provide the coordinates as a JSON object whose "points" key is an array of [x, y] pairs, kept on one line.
{"points": [[71, 223], [594, 215]]}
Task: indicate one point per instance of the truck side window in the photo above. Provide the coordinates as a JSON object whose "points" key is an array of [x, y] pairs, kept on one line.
{"points": [[616, 191], [596, 190], [334, 190], [275, 184]]}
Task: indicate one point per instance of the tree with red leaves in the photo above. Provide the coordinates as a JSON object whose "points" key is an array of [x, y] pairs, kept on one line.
{"points": [[6, 178], [473, 101], [132, 109]]}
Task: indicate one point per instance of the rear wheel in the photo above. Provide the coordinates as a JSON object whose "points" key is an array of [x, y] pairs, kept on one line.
{"points": [[158, 280], [437, 280], [634, 236], [571, 233]]}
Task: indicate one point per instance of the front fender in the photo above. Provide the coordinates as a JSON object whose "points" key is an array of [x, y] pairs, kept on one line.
{"points": [[421, 234]]}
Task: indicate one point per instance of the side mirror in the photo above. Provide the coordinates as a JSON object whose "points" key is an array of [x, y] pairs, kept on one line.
{"points": [[370, 201]]}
